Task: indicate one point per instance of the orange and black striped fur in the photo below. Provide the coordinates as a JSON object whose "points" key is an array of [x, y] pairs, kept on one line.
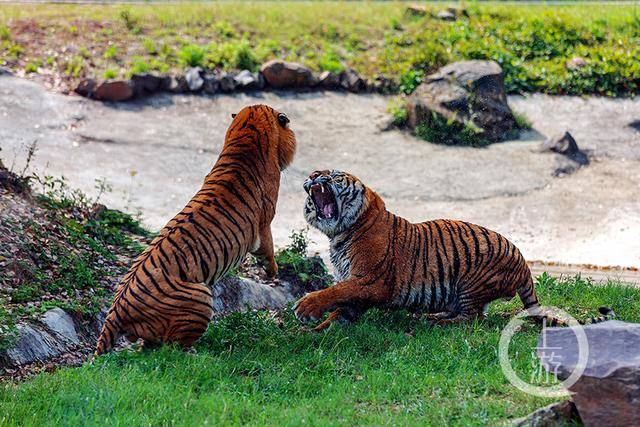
{"points": [[165, 296], [449, 269]]}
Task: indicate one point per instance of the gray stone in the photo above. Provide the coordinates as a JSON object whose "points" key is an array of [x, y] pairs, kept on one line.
{"points": [[608, 392], [446, 15], [246, 80], [281, 74], [239, 294], [572, 157], [576, 63], [328, 80], [193, 78], [351, 81], [211, 84], [61, 325], [146, 84], [465, 92], [227, 82], [560, 413]]}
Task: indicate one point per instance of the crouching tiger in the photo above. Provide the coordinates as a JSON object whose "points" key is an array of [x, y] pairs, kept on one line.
{"points": [[449, 269], [165, 296]]}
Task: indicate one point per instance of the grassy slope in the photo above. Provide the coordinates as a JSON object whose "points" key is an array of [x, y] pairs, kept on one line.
{"points": [[387, 369], [531, 42]]}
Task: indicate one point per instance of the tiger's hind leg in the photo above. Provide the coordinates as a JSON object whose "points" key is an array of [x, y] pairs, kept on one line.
{"points": [[342, 315], [192, 315]]}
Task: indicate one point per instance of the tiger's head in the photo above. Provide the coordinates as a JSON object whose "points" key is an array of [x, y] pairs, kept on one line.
{"points": [[263, 120], [336, 200]]}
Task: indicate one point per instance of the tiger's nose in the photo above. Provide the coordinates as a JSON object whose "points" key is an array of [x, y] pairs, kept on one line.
{"points": [[318, 174]]}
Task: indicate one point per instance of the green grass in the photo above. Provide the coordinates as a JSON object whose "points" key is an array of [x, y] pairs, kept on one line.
{"points": [[531, 42], [389, 368]]}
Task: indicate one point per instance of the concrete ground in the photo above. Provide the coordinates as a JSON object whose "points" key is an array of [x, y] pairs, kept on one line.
{"points": [[155, 153]]}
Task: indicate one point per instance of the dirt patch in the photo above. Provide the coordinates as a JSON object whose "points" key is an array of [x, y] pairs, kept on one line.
{"points": [[162, 148]]}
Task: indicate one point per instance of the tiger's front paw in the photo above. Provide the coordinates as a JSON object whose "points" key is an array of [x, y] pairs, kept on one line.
{"points": [[310, 307]]}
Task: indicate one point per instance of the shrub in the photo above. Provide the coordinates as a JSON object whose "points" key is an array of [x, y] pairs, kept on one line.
{"points": [[440, 130], [5, 33], [110, 52], [150, 46], [139, 65], [110, 74], [192, 55], [410, 80], [330, 61], [295, 265]]}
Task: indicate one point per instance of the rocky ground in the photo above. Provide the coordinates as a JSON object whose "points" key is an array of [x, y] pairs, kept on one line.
{"points": [[155, 152]]}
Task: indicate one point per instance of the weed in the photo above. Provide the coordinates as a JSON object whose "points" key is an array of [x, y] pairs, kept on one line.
{"points": [[295, 264], [110, 53], [410, 80], [139, 65], [74, 66], [441, 130], [522, 122], [192, 55], [5, 33], [398, 111], [110, 74], [150, 46], [330, 61]]}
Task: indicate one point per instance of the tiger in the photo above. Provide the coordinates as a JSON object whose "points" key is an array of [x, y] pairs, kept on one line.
{"points": [[165, 296], [451, 270]]}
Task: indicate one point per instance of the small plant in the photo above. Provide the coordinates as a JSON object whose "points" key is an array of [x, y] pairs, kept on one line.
{"points": [[139, 66], [522, 122], [330, 61], [31, 67], [8, 331], [410, 80], [110, 74], [110, 53], [244, 58], [129, 21], [84, 52], [150, 46], [441, 130], [74, 66], [5, 33], [192, 55], [294, 264], [398, 111]]}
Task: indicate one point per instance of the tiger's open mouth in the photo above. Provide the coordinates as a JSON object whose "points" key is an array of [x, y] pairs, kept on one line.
{"points": [[324, 200]]}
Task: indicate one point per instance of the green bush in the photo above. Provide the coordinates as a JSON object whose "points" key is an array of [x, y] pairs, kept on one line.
{"points": [[192, 55]]}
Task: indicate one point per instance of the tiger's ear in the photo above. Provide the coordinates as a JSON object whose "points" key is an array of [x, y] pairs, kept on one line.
{"points": [[233, 115]]}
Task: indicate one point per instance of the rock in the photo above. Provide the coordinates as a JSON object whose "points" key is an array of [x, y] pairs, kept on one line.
{"points": [[560, 413], [576, 63], [574, 158], [415, 10], [465, 92], [5, 71], [446, 15], [608, 392], [246, 80], [328, 80], [383, 84], [115, 91], [86, 88], [351, 81], [174, 84], [227, 82], [211, 84], [55, 335], [240, 294], [280, 75], [146, 84], [193, 78], [61, 324]]}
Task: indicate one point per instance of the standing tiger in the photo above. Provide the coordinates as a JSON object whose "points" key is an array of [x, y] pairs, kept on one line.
{"points": [[165, 296], [449, 269]]}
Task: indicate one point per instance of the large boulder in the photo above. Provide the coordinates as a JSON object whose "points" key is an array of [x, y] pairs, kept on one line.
{"points": [[608, 392], [466, 93], [281, 74]]}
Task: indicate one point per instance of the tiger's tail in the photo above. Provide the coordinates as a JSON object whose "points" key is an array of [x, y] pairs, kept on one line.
{"points": [[527, 294], [109, 334]]}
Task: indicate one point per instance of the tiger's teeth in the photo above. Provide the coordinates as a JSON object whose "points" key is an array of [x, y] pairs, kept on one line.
{"points": [[322, 188]]}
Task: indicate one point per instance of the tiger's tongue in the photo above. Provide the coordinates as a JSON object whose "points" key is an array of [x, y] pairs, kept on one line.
{"points": [[328, 210]]}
